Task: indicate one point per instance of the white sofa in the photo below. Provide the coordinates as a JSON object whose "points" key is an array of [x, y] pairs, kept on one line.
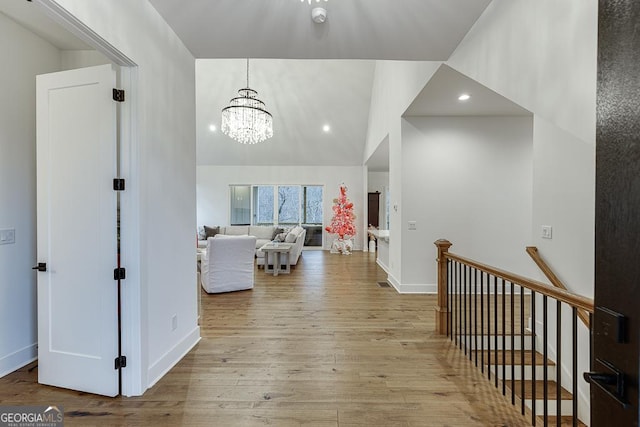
{"points": [[227, 264], [263, 233], [296, 237]]}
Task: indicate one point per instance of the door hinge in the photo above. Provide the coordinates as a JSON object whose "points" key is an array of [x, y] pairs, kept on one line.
{"points": [[121, 362], [119, 274], [118, 184], [118, 95]]}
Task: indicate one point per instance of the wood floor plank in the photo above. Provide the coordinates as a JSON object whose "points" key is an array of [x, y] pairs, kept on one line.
{"points": [[322, 346]]}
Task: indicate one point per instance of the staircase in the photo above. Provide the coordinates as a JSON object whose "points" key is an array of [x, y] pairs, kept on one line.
{"points": [[488, 314], [511, 368]]}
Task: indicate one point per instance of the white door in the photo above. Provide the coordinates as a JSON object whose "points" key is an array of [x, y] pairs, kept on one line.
{"points": [[77, 294]]}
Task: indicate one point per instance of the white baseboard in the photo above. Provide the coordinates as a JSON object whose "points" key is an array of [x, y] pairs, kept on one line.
{"points": [[383, 266], [416, 288], [172, 357], [408, 288], [16, 360]]}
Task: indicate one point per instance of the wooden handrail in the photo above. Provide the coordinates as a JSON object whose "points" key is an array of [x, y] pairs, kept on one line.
{"points": [[574, 300], [442, 311], [555, 281]]}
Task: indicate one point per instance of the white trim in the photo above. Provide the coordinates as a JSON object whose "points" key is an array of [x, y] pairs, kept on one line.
{"points": [[417, 288], [19, 358], [408, 288], [83, 32], [133, 310], [392, 280], [383, 266], [173, 356]]}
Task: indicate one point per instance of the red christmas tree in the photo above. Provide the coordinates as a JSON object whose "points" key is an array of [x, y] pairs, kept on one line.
{"points": [[343, 216]]}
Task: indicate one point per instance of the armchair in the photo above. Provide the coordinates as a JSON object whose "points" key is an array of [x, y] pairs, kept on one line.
{"points": [[227, 265]]}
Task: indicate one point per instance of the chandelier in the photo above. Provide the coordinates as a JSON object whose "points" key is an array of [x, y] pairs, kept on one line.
{"points": [[245, 119]]}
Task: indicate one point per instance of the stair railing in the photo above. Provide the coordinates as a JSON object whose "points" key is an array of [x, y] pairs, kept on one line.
{"points": [[484, 310], [548, 272]]}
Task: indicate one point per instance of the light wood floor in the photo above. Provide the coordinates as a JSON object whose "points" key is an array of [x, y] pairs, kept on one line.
{"points": [[323, 346]]}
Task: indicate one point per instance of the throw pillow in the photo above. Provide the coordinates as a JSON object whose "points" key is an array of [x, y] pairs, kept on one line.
{"points": [[291, 237], [277, 231], [280, 237], [201, 234], [210, 231]]}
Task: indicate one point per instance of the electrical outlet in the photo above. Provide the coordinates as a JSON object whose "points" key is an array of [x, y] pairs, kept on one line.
{"points": [[7, 236], [174, 322], [547, 232], [412, 225]]}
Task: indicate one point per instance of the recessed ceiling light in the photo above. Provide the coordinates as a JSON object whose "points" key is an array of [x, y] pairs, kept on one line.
{"points": [[213, 128], [464, 97], [326, 128]]}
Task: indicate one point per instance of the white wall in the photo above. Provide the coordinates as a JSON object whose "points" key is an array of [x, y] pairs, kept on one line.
{"points": [[72, 59], [377, 181], [564, 197], [164, 177], [18, 328], [469, 180], [213, 189], [542, 55], [395, 86]]}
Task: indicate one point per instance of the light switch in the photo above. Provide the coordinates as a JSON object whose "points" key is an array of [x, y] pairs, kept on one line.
{"points": [[412, 225], [546, 232], [7, 236]]}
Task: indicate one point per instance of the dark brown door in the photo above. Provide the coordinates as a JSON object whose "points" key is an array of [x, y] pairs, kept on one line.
{"points": [[616, 332], [374, 209]]}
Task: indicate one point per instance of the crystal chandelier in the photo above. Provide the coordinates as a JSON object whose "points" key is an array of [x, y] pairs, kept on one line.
{"points": [[245, 119]]}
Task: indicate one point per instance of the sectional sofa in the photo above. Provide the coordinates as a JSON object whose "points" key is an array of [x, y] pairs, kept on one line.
{"points": [[263, 234]]}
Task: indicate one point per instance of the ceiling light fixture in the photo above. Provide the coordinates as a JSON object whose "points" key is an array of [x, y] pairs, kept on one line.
{"points": [[464, 97], [309, 1], [319, 15], [212, 128], [326, 128], [245, 119]]}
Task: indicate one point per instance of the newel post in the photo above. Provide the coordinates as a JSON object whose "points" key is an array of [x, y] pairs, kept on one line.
{"points": [[442, 311]]}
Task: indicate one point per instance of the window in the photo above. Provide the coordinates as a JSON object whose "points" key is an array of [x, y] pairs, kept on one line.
{"points": [[288, 204], [240, 205], [263, 205], [312, 204], [279, 204]]}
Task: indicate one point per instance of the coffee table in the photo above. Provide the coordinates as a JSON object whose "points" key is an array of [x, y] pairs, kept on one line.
{"points": [[280, 253]]}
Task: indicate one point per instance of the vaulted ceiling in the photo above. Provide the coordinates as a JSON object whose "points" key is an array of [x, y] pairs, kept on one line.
{"points": [[308, 74], [304, 95], [427, 30]]}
